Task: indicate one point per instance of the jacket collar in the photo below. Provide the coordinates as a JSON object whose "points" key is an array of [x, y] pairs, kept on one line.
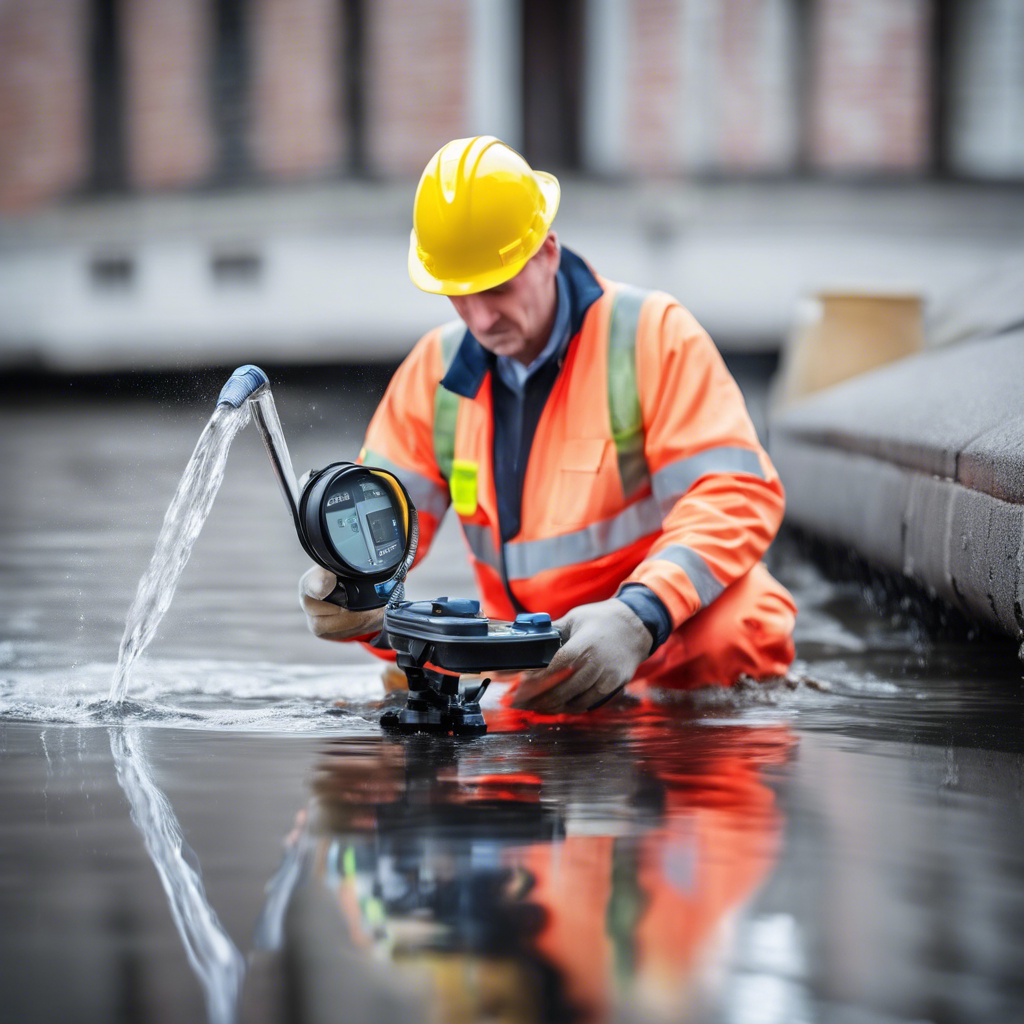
{"points": [[472, 361]]}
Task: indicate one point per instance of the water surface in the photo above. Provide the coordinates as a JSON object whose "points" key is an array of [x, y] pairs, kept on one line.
{"points": [[239, 841]]}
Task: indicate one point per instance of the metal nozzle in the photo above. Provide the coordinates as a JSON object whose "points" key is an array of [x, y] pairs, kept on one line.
{"points": [[243, 384], [250, 384]]}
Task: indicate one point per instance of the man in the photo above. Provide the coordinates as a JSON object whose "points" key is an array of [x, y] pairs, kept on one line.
{"points": [[597, 452]]}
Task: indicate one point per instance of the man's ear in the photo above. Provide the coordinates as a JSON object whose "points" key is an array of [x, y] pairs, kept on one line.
{"points": [[552, 248]]}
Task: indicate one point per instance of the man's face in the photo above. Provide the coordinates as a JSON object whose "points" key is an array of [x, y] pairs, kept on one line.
{"points": [[514, 318]]}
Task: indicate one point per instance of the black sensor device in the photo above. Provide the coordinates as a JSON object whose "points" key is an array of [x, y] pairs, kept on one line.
{"points": [[437, 640]]}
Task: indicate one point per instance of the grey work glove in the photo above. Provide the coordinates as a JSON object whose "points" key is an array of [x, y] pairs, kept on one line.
{"points": [[330, 621], [603, 645]]}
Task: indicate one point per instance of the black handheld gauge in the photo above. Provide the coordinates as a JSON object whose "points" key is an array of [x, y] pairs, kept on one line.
{"points": [[360, 524]]}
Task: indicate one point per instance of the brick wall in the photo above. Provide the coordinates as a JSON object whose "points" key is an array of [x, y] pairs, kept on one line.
{"points": [[297, 86], [870, 85], [166, 60], [706, 85], [416, 73], [42, 99], [742, 128], [652, 83], [757, 112], [712, 85]]}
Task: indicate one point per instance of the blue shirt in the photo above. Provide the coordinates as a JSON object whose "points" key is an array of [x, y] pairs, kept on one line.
{"points": [[641, 600], [514, 374]]}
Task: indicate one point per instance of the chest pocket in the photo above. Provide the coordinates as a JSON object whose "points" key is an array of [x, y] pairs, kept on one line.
{"points": [[581, 490]]}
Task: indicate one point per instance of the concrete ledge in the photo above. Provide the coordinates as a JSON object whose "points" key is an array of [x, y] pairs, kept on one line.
{"points": [[919, 467], [954, 413], [317, 274]]}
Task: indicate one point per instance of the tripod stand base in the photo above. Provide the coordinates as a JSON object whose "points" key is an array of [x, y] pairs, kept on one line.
{"points": [[435, 705], [458, 720]]}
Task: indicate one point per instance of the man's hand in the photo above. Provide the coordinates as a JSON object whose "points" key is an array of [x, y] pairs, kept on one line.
{"points": [[603, 645], [330, 621]]}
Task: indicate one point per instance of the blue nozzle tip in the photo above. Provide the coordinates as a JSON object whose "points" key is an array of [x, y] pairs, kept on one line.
{"points": [[242, 385]]}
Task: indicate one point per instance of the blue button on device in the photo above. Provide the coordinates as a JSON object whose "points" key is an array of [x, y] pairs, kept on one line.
{"points": [[532, 622]]}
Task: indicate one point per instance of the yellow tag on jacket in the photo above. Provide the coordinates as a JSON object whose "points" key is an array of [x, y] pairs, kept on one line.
{"points": [[463, 486]]}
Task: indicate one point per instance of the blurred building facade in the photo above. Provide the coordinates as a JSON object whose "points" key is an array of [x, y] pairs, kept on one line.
{"points": [[136, 121]]}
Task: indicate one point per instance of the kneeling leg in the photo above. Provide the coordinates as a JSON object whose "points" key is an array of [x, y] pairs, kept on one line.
{"points": [[747, 630]]}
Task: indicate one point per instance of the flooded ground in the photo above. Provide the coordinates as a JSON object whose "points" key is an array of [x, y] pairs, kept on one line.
{"points": [[241, 842]]}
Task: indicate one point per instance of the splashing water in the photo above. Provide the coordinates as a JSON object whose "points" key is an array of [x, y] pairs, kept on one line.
{"points": [[183, 523]]}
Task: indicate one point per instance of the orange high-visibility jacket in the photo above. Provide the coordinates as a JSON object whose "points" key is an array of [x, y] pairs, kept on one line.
{"points": [[644, 468]]}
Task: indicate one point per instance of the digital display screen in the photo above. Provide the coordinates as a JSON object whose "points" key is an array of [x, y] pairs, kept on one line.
{"points": [[383, 527], [363, 523]]}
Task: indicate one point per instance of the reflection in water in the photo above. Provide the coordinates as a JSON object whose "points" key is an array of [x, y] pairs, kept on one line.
{"points": [[601, 879], [215, 959], [269, 932]]}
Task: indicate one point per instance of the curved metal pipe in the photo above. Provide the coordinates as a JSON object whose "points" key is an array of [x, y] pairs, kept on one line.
{"points": [[250, 384]]}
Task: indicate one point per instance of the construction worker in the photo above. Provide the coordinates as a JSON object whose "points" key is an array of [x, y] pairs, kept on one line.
{"points": [[597, 452]]}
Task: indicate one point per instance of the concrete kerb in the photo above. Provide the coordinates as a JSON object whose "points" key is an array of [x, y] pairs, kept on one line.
{"points": [[961, 545], [941, 412], [919, 467], [994, 462]]}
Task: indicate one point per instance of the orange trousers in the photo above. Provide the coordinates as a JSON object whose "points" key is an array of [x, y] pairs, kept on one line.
{"points": [[747, 630]]}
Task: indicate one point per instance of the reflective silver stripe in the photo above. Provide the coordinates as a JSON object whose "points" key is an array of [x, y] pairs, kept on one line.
{"points": [[446, 404], [675, 479], [624, 413], [427, 496], [529, 557], [452, 334], [481, 544], [703, 580]]}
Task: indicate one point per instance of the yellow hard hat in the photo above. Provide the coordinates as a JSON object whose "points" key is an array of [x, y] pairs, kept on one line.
{"points": [[480, 213]]}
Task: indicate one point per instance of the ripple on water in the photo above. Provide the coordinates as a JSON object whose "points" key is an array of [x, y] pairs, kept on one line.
{"points": [[202, 694]]}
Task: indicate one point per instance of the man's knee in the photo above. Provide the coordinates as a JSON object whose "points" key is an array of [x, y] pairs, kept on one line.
{"points": [[748, 631]]}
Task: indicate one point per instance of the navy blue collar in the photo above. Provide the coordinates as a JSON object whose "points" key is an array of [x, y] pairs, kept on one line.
{"points": [[472, 361]]}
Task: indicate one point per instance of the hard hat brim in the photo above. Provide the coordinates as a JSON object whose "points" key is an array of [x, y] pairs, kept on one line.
{"points": [[425, 281]]}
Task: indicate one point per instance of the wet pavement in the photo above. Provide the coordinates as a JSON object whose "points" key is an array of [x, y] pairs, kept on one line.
{"points": [[243, 843]]}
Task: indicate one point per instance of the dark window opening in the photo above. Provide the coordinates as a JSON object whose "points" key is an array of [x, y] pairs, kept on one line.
{"points": [[552, 82], [943, 14], [229, 87], [236, 267], [353, 84], [803, 78], [112, 272], [108, 170]]}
